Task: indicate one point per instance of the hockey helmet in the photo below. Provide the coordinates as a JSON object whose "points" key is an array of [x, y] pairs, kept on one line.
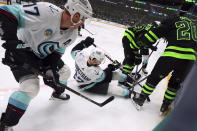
{"points": [[98, 55], [82, 7]]}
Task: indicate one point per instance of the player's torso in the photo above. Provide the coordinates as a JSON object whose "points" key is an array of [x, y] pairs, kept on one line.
{"points": [[85, 74], [184, 34], [45, 35]]}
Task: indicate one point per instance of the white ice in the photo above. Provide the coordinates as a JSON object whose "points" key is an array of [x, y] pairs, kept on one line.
{"points": [[78, 114]]}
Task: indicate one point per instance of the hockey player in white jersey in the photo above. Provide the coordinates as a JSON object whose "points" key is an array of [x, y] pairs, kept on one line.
{"points": [[91, 77], [45, 32]]}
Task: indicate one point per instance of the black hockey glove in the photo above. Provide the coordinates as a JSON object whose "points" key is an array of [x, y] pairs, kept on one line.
{"points": [[116, 64], [113, 67], [88, 41]]}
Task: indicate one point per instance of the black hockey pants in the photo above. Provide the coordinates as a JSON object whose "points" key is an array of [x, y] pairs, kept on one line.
{"points": [[162, 68]]}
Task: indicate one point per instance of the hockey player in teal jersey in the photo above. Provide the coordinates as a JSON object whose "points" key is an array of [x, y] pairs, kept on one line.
{"points": [[179, 55], [45, 32], [91, 77]]}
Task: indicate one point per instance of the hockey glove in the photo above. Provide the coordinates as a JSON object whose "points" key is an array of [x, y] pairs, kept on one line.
{"points": [[88, 41], [113, 67], [116, 64]]}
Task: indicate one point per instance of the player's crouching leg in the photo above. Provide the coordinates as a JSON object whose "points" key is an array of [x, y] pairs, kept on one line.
{"points": [[19, 101]]}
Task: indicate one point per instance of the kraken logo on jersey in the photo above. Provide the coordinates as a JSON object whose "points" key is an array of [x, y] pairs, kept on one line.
{"points": [[47, 48], [48, 32]]}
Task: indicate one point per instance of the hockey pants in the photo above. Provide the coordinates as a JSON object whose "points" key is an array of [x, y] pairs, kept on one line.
{"points": [[162, 68]]}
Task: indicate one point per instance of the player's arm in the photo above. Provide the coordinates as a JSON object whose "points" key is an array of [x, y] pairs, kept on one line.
{"points": [[149, 37], [80, 46]]}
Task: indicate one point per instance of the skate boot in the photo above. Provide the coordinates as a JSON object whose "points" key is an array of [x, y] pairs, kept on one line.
{"points": [[165, 107], [58, 96], [3, 126], [124, 85], [138, 100]]}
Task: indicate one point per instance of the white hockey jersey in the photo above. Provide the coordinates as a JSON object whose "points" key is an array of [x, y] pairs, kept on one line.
{"points": [[86, 76], [39, 25]]}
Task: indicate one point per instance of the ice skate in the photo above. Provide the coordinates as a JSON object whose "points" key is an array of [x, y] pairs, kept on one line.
{"points": [[165, 108], [125, 85], [138, 100], [59, 97]]}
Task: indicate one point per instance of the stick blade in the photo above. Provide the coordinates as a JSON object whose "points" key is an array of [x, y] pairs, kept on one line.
{"points": [[111, 98]]}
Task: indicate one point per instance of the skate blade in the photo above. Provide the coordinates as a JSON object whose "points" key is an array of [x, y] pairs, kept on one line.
{"points": [[57, 99], [138, 108], [165, 113]]}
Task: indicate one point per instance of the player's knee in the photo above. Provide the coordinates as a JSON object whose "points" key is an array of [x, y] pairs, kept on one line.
{"points": [[154, 79], [30, 86], [64, 73]]}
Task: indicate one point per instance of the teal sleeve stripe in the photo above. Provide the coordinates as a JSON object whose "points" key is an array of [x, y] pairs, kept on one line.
{"points": [[19, 99], [74, 53]]}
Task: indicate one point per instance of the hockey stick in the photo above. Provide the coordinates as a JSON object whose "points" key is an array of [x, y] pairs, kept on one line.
{"points": [[89, 31], [135, 82], [70, 89]]}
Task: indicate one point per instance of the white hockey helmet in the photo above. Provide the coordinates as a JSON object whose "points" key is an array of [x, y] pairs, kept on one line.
{"points": [[83, 7], [98, 55]]}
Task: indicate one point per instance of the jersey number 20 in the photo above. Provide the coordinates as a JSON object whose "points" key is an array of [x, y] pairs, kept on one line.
{"points": [[186, 31]]}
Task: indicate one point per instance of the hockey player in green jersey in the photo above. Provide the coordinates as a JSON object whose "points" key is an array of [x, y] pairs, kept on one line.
{"points": [[132, 47], [179, 55]]}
